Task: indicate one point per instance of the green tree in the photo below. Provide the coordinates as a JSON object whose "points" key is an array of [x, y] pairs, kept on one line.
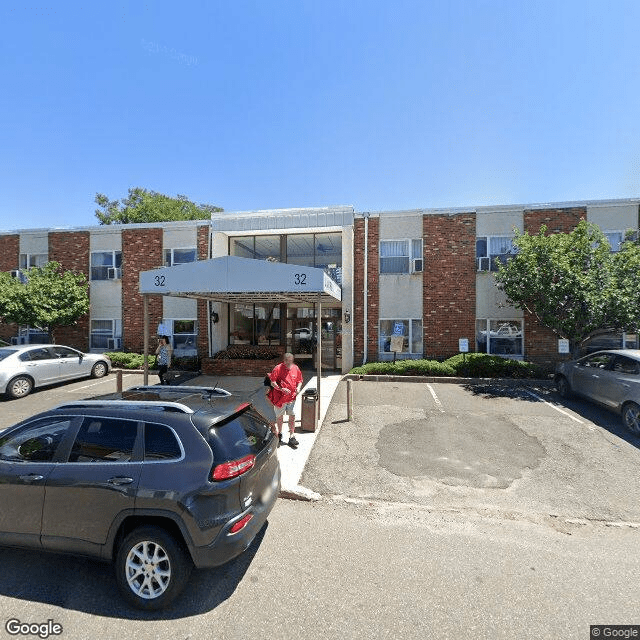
{"points": [[48, 298], [142, 205], [572, 283]]}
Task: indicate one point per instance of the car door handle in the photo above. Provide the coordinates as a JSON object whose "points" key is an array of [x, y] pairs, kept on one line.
{"points": [[118, 480], [31, 477]]}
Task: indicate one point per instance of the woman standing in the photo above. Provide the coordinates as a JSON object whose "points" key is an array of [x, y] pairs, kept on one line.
{"points": [[164, 352]]}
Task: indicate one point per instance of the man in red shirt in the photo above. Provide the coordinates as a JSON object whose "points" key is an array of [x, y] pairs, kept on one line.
{"points": [[286, 382]]}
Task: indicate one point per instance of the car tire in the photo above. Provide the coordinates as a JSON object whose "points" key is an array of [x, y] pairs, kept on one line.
{"points": [[631, 417], [99, 370], [152, 568], [563, 387], [20, 387]]}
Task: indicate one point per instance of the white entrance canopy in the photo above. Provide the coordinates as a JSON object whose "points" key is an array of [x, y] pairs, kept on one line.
{"points": [[233, 279]]}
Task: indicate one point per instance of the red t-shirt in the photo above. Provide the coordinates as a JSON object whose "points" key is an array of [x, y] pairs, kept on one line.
{"points": [[286, 379]]}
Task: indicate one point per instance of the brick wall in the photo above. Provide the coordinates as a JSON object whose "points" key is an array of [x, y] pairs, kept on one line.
{"points": [[449, 282], [203, 317], [373, 289], [71, 250], [141, 251], [260, 368], [9, 260], [540, 343]]}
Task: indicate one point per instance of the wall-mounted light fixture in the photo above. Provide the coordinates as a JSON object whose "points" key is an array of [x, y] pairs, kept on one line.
{"points": [[347, 316], [215, 318]]}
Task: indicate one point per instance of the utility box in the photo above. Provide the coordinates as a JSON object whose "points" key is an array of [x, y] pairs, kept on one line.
{"points": [[309, 418]]}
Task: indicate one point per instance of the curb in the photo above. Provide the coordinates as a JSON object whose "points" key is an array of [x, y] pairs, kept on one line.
{"points": [[300, 493], [451, 380]]}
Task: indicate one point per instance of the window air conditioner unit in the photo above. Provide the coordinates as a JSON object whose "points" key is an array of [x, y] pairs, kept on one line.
{"points": [[114, 273], [484, 264], [114, 343], [416, 265]]}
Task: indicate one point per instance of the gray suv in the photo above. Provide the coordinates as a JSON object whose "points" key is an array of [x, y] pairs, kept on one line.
{"points": [[157, 480]]}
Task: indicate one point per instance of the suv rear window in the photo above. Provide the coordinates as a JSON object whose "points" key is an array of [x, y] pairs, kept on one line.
{"points": [[240, 435], [160, 443]]}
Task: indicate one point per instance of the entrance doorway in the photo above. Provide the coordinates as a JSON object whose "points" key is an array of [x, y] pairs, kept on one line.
{"points": [[302, 335]]}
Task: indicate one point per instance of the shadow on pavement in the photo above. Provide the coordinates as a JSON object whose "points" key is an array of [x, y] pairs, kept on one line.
{"points": [[82, 584], [607, 420]]}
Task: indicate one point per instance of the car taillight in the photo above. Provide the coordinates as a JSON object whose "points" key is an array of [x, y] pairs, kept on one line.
{"points": [[241, 524], [233, 468]]}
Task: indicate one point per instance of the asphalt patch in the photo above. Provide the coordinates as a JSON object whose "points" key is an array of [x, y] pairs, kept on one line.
{"points": [[479, 451]]}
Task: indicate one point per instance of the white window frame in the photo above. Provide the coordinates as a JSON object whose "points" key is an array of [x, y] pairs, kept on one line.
{"points": [[410, 256], [32, 259], [486, 262], [114, 334], [409, 354], [113, 272], [502, 321], [169, 261], [169, 324]]}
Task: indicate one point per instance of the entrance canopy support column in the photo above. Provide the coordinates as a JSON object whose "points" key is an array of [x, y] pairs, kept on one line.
{"points": [[145, 306], [319, 344]]}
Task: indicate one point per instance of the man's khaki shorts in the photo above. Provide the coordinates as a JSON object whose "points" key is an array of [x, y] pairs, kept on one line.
{"points": [[285, 408]]}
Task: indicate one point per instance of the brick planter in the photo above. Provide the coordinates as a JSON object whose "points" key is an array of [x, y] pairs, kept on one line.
{"points": [[239, 367]]}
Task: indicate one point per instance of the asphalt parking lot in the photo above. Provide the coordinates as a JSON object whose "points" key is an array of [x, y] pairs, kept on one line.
{"points": [[517, 452]]}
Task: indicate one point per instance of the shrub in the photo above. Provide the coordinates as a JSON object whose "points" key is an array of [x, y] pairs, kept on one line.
{"points": [[122, 360], [405, 368], [186, 363], [248, 352], [483, 365]]}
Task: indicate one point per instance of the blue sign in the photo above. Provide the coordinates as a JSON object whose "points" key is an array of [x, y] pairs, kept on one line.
{"points": [[398, 329]]}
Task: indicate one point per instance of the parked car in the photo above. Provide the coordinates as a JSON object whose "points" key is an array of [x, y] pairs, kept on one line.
{"points": [[609, 378], [23, 368], [160, 480]]}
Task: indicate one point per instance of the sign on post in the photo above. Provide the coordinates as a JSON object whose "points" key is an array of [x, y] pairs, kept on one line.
{"points": [[463, 345], [563, 345]]}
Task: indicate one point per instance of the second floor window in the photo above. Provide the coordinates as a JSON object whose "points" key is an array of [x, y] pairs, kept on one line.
{"points": [[106, 265], [492, 251], [400, 256], [173, 257]]}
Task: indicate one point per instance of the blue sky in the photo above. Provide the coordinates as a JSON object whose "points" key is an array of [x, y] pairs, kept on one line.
{"points": [[297, 103]]}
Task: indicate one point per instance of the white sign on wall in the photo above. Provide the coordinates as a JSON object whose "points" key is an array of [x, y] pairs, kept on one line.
{"points": [[563, 345]]}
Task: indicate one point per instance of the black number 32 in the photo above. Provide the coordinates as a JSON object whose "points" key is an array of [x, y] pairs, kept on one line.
{"points": [[159, 281], [300, 278]]}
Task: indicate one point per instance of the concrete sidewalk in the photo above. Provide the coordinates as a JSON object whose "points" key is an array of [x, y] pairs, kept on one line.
{"points": [[292, 461]]}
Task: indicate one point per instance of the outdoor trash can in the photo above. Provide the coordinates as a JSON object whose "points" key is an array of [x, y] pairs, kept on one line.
{"points": [[309, 418]]}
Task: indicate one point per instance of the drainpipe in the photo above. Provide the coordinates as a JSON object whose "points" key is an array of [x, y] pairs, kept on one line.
{"points": [[366, 284]]}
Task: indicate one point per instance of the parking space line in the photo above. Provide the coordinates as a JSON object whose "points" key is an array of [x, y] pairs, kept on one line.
{"points": [[553, 406], [435, 398], [93, 384]]}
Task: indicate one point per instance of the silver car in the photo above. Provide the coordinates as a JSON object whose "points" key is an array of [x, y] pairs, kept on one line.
{"points": [[610, 378], [24, 367]]}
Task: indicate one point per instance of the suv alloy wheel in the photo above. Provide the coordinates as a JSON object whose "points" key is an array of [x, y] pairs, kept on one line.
{"points": [[151, 568]]}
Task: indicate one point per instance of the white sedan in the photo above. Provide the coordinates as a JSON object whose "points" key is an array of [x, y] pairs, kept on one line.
{"points": [[22, 368]]}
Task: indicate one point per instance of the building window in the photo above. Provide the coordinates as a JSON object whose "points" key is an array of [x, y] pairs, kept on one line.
{"points": [[492, 251], [106, 265], [504, 337], [400, 256], [256, 324], [257, 248], [183, 336], [106, 335], [615, 238], [174, 257], [28, 260], [410, 330]]}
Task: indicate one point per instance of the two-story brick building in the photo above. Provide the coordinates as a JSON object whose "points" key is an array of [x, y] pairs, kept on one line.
{"points": [[424, 274]]}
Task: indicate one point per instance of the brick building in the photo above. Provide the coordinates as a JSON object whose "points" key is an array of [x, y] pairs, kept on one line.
{"points": [[424, 274]]}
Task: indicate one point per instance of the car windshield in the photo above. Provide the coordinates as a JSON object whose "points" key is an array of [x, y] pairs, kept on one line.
{"points": [[5, 353]]}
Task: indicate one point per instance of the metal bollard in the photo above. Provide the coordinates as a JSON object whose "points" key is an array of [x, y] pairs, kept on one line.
{"points": [[349, 401], [119, 380]]}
